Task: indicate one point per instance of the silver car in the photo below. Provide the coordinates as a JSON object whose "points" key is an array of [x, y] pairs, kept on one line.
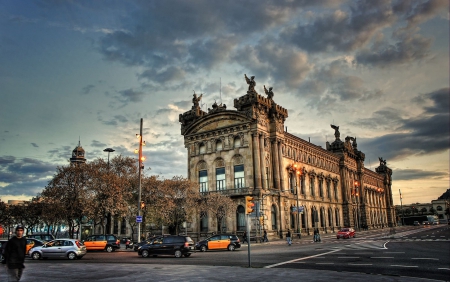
{"points": [[59, 248]]}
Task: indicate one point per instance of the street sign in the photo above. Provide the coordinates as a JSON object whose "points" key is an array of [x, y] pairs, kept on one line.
{"points": [[139, 218]]}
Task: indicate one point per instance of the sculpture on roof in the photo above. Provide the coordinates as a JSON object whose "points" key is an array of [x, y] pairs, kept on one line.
{"points": [[337, 134], [269, 92], [251, 83], [382, 162], [196, 99]]}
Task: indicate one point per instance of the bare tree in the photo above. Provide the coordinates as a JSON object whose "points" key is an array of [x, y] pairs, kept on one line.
{"points": [[218, 206]]}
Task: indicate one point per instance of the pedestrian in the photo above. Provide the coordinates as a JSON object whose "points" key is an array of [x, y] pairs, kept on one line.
{"points": [[244, 237], [265, 236], [288, 237], [14, 255], [315, 234]]}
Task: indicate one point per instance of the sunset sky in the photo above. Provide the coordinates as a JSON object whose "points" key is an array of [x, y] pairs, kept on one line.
{"points": [[89, 70]]}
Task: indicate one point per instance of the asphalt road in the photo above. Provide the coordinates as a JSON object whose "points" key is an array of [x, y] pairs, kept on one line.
{"points": [[421, 252]]}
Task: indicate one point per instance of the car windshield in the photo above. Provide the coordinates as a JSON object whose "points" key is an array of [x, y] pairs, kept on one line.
{"points": [[344, 230]]}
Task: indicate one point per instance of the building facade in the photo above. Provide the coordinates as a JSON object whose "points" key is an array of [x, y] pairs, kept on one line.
{"points": [[247, 151]]}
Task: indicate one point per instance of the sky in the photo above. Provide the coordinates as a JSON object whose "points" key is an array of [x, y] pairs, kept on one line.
{"points": [[88, 71]]}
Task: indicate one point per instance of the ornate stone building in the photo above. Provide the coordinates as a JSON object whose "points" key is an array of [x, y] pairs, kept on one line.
{"points": [[247, 152]]}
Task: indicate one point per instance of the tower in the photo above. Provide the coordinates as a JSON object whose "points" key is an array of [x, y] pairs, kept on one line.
{"points": [[78, 155]]}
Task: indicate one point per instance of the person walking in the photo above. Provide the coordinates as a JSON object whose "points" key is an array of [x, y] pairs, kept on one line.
{"points": [[288, 237], [14, 255], [265, 236], [315, 235], [244, 237]]}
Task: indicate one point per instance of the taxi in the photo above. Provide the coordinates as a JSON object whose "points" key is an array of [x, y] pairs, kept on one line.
{"points": [[107, 242], [31, 243], [219, 242]]}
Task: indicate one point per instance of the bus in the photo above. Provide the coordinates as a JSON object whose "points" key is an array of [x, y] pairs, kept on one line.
{"points": [[433, 219]]}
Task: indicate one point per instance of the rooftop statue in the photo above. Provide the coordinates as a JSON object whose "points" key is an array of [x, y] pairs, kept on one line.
{"points": [[196, 99], [251, 83], [337, 134], [269, 92], [382, 162]]}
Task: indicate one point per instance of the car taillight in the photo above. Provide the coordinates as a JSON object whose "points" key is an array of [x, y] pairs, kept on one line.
{"points": [[186, 244], [118, 242], [78, 244]]}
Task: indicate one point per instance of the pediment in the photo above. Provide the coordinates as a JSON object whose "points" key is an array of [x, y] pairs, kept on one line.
{"points": [[218, 121]]}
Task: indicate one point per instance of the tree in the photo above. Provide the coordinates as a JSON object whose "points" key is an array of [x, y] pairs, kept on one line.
{"points": [[423, 210], [218, 206]]}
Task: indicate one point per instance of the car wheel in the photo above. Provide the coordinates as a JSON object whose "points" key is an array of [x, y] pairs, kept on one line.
{"points": [[109, 249], [178, 254], [35, 255], [337, 238], [187, 255], [231, 247], [145, 254], [203, 248], [71, 256]]}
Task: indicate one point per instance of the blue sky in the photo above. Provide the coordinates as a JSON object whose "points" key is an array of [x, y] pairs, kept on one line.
{"points": [[92, 69]]}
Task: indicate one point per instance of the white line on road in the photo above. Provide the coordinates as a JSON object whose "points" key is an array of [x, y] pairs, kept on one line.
{"points": [[443, 268], [383, 257], [393, 252], [426, 258], [299, 259], [324, 262], [397, 265], [348, 257], [359, 264]]}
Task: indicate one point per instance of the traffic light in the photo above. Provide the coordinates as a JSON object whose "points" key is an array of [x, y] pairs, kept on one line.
{"points": [[249, 205], [142, 205]]}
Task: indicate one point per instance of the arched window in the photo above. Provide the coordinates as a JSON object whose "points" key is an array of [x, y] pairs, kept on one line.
{"points": [[202, 148], [302, 184], [237, 142], [273, 214], [335, 191], [337, 217], [239, 180], [203, 222], [439, 208], [203, 180], [330, 217], [322, 217], [240, 218], [292, 221], [219, 145], [311, 186], [328, 189], [321, 187]]}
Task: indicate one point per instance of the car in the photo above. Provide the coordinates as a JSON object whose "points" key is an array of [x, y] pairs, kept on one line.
{"points": [[426, 222], [31, 243], [2, 248], [45, 237], [124, 240], [346, 233], [175, 245], [416, 223], [59, 248], [136, 246], [108, 242], [217, 242]]}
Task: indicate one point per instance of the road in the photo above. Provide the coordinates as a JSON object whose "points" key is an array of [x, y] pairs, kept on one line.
{"points": [[421, 252]]}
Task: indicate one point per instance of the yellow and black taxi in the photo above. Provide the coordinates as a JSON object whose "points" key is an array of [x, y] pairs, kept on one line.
{"points": [[32, 242], [106, 242], [219, 242]]}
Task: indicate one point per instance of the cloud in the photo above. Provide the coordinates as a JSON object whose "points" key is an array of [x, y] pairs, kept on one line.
{"points": [[87, 89], [35, 145], [131, 95], [98, 144], [413, 174]]}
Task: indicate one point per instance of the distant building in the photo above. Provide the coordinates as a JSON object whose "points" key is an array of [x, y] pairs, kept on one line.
{"points": [[78, 155], [247, 151]]}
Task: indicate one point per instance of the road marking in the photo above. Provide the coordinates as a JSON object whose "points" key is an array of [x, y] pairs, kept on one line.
{"points": [[359, 264], [324, 262], [383, 257], [348, 257], [299, 259], [426, 258], [397, 265], [393, 252], [443, 268]]}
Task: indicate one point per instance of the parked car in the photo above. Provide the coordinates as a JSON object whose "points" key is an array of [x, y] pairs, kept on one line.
{"points": [[59, 248], [107, 242], [45, 237], [216, 242], [136, 246], [346, 233], [2, 247], [416, 223], [31, 243], [169, 245]]}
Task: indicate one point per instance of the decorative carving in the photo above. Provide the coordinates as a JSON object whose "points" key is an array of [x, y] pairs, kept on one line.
{"points": [[238, 159], [201, 165], [269, 92], [196, 99], [337, 134], [220, 162], [382, 162], [217, 108]]}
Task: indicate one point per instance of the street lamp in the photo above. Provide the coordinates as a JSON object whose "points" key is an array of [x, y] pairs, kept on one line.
{"points": [[401, 207], [356, 197], [140, 167]]}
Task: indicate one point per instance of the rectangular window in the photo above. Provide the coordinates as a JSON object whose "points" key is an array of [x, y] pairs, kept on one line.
{"points": [[220, 178], [311, 182], [302, 181], [320, 187], [335, 192], [239, 176], [328, 189], [203, 180]]}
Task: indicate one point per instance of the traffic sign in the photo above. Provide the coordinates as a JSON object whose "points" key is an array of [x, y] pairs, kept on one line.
{"points": [[139, 218]]}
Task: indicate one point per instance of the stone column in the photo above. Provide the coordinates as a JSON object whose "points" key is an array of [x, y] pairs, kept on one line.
{"points": [[275, 165], [262, 161], [256, 160], [281, 168]]}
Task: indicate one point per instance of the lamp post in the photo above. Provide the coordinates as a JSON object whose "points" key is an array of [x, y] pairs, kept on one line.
{"points": [[109, 150], [356, 197], [140, 167], [401, 207]]}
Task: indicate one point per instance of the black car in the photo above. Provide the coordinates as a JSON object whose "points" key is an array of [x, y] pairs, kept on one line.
{"points": [[136, 246], [177, 246], [2, 248], [216, 242], [44, 237]]}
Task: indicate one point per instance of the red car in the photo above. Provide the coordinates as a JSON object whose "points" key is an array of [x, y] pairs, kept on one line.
{"points": [[346, 233]]}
